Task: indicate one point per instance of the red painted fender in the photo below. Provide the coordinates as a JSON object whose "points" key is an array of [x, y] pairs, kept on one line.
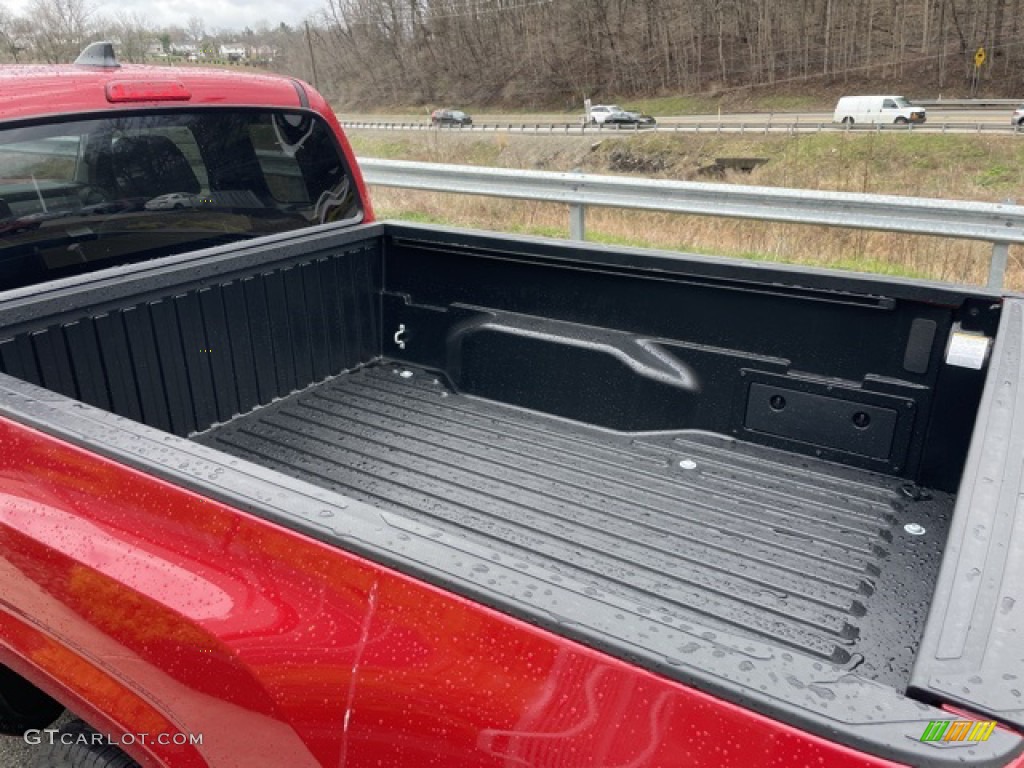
{"points": [[148, 608]]}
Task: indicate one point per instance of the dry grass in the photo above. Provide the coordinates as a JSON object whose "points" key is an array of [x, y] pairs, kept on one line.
{"points": [[956, 167]]}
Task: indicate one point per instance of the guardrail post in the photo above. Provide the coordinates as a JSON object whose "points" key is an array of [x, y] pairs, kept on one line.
{"points": [[577, 221], [997, 265]]}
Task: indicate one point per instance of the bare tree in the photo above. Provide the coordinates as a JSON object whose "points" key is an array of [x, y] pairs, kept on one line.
{"points": [[60, 28], [132, 34], [9, 34], [196, 30]]}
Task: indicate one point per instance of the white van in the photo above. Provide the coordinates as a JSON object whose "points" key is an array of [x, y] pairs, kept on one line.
{"points": [[877, 109]]}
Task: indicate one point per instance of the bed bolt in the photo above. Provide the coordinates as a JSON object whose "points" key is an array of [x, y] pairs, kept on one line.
{"points": [[914, 529], [688, 464]]}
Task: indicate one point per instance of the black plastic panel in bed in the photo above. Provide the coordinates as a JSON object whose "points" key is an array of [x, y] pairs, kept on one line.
{"points": [[587, 335], [184, 361]]}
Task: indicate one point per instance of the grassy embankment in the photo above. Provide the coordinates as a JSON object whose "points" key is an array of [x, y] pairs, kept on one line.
{"points": [[961, 167]]}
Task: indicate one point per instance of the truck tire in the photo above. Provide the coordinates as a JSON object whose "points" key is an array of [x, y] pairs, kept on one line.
{"points": [[23, 706], [847, 120], [901, 121], [81, 752]]}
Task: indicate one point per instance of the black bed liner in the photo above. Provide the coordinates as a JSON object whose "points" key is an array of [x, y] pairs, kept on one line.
{"points": [[762, 575], [689, 525]]}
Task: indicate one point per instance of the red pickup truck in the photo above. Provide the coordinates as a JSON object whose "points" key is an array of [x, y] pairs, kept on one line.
{"points": [[281, 485]]}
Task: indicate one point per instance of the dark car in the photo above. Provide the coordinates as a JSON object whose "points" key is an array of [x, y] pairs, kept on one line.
{"points": [[450, 117], [624, 117]]}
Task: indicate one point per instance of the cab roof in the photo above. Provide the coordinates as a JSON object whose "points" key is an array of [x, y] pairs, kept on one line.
{"points": [[45, 90]]}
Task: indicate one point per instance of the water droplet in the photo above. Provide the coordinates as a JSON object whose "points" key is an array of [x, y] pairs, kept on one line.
{"points": [[821, 691]]}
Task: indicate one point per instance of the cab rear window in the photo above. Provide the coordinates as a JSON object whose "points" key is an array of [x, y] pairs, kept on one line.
{"points": [[86, 194]]}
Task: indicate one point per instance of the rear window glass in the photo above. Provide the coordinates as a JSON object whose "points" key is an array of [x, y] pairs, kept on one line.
{"points": [[82, 195]]}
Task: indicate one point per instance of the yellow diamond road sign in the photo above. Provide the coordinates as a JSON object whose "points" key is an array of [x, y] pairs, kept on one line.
{"points": [[979, 57]]}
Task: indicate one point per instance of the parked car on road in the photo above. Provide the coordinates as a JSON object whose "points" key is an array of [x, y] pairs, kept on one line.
{"points": [[450, 117], [877, 109]]}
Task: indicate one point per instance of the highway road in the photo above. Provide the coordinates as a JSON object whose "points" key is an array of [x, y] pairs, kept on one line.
{"points": [[935, 115], [940, 119]]}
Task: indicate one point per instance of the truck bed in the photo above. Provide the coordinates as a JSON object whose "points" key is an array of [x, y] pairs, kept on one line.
{"points": [[740, 478], [682, 525]]}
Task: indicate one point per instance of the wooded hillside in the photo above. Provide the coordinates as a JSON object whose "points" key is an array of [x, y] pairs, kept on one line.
{"points": [[555, 52]]}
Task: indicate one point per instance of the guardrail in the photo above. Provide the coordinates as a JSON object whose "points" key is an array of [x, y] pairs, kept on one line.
{"points": [[1001, 224], [968, 103], [771, 126]]}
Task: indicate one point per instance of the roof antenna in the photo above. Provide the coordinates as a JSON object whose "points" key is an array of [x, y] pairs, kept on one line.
{"points": [[98, 55]]}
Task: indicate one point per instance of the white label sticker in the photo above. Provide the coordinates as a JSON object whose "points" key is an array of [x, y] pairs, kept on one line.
{"points": [[968, 350]]}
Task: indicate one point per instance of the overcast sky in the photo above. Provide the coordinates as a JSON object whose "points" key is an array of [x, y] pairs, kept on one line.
{"points": [[217, 14]]}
